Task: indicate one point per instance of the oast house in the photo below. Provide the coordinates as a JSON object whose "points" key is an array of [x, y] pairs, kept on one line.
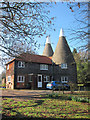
{"points": [[32, 71]]}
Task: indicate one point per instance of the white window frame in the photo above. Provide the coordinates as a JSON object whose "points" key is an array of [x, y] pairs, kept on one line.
{"points": [[9, 78], [22, 78], [8, 67], [63, 79], [46, 77], [64, 66], [43, 67], [22, 64]]}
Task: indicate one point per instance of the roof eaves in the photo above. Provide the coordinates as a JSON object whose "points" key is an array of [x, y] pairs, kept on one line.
{"points": [[10, 61]]}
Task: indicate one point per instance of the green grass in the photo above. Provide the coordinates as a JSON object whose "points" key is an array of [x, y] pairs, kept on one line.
{"points": [[44, 108], [73, 97]]}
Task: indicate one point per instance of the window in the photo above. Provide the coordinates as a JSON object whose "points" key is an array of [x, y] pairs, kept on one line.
{"points": [[21, 64], [30, 78], [9, 78], [20, 78], [8, 67], [64, 65], [43, 67], [64, 79], [46, 78]]}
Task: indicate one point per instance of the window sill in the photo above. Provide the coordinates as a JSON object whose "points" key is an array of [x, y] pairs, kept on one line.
{"points": [[20, 81], [63, 68], [64, 81], [43, 69], [46, 81], [21, 67]]}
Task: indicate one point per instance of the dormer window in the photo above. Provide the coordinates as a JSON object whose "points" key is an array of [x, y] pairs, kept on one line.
{"points": [[43, 67], [64, 66], [21, 64]]}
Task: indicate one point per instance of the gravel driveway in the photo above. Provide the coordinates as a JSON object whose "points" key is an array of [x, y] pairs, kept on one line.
{"points": [[23, 93]]}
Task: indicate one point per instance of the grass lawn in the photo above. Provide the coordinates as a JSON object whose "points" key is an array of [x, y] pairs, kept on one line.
{"points": [[44, 108]]}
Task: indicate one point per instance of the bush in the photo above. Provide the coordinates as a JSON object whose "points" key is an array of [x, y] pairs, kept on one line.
{"points": [[80, 99], [69, 98], [50, 95], [73, 98], [73, 87], [4, 85], [53, 95]]}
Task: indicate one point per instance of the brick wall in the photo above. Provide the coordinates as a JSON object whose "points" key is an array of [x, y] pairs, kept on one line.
{"points": [[10, 72]]}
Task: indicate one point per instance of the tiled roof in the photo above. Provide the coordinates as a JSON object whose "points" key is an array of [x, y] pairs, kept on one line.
{"points": [[48, 51], [62, 52], [32, 58]]}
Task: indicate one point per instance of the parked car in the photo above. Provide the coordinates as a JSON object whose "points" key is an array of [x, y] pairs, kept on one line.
{"points": [[57, 85]]}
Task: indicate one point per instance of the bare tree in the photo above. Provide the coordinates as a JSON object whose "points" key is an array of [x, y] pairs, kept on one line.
{"points": [[20, 23], [80, 33]]}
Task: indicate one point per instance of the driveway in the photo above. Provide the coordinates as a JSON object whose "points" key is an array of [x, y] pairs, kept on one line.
{"points": [[24, 93]]}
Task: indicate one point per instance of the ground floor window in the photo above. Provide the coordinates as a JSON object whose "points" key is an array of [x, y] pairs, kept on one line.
{"points": [[20, 78], [30, 78], [9, 78], [46, 78], [64, 79]]}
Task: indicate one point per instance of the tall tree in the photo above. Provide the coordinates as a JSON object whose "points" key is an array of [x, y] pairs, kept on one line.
{"points": [[81, 59]]}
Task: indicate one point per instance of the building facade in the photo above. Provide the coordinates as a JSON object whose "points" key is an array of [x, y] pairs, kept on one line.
{"points": [[31, 71]]}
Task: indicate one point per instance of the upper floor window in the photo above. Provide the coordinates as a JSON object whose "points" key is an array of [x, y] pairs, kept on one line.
{"points": [[9, 78], [20, 78], [64, 65], [64, 79], [8, 67], [46, 78], [21, 64], [43, 67]]}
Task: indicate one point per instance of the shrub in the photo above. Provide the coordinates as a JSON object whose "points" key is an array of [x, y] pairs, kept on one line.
{"points": [[50, 95], [69, 98], [73, 87], [4, 85], [73, 98], [80, 99]]}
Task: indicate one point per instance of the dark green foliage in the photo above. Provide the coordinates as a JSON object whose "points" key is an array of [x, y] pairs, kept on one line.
{"points": [[82, 65]]}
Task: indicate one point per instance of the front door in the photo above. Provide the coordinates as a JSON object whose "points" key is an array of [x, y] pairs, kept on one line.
{"points": [[39, 81]]}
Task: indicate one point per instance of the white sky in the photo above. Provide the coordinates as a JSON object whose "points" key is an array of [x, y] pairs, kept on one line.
{"points": [[1, 69]]}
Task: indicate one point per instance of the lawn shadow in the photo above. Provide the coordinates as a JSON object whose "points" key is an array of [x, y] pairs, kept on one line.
{"points": [[24, 97], [22, 117], [39, 102]]}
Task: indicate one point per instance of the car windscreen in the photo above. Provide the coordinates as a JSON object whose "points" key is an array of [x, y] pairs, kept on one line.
{"points": [[49, 82]]}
